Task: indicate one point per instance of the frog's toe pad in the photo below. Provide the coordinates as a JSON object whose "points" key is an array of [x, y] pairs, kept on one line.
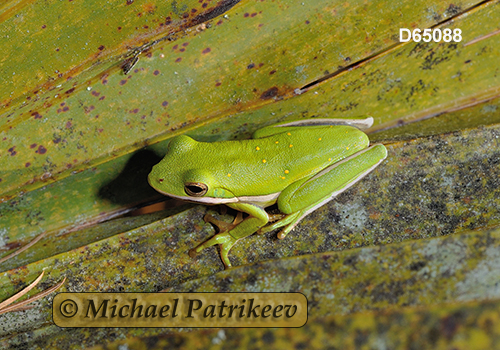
{"points": [[193, 253], [282, 234]]}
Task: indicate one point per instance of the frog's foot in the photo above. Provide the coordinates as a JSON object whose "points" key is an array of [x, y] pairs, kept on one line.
{"points": [[290, 221], [222, 225], [238, 218], [225, 241], [276, 217], [272, 218]]}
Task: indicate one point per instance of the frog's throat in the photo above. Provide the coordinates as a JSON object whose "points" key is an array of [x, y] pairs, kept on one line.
{"points": [[262, 200]]}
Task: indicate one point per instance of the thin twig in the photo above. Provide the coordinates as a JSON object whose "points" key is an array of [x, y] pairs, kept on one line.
{"points": [[22, 249], [6, 307]]}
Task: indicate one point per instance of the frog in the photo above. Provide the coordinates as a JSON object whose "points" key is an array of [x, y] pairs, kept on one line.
{"points": [[298, 165]]}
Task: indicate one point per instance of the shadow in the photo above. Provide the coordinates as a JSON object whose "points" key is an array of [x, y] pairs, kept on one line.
{"points": [[131, 185]]}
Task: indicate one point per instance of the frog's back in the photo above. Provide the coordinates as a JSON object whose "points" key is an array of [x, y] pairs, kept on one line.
{"points": [[270, 164]]}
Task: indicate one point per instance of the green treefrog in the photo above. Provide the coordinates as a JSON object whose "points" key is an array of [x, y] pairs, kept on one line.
{"points": [[300, 165]]}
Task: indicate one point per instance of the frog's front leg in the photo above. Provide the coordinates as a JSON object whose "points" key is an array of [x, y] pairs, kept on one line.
{"points": [[304, 196], [257, 219]]}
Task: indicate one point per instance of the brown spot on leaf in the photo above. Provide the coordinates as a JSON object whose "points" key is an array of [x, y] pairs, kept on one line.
{"points": [[453, 10], [70, 91], [178, 59], [272, 72], [251, 65], [68, 124], [207, 50], [123, 82], [164, 103], [33, 145], [156, 72], [65, 109], [27, 164], [101, 47], [41, 150], [270, 93]]}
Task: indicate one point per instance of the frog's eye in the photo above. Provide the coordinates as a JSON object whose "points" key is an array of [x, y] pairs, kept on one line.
{"points": [[195, 189]]}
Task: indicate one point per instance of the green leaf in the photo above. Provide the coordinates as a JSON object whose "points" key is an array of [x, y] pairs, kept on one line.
{"points": [[79, 136]]}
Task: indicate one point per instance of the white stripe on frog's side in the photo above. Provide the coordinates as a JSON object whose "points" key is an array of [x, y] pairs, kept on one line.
{"points": [[359, 123], [262, 200]]}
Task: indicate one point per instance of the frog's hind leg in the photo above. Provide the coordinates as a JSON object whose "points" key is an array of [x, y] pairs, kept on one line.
{"points": [[299, 201]]}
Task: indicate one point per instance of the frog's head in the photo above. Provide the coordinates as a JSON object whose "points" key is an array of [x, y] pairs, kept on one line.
{"points": [[183, 173]]}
